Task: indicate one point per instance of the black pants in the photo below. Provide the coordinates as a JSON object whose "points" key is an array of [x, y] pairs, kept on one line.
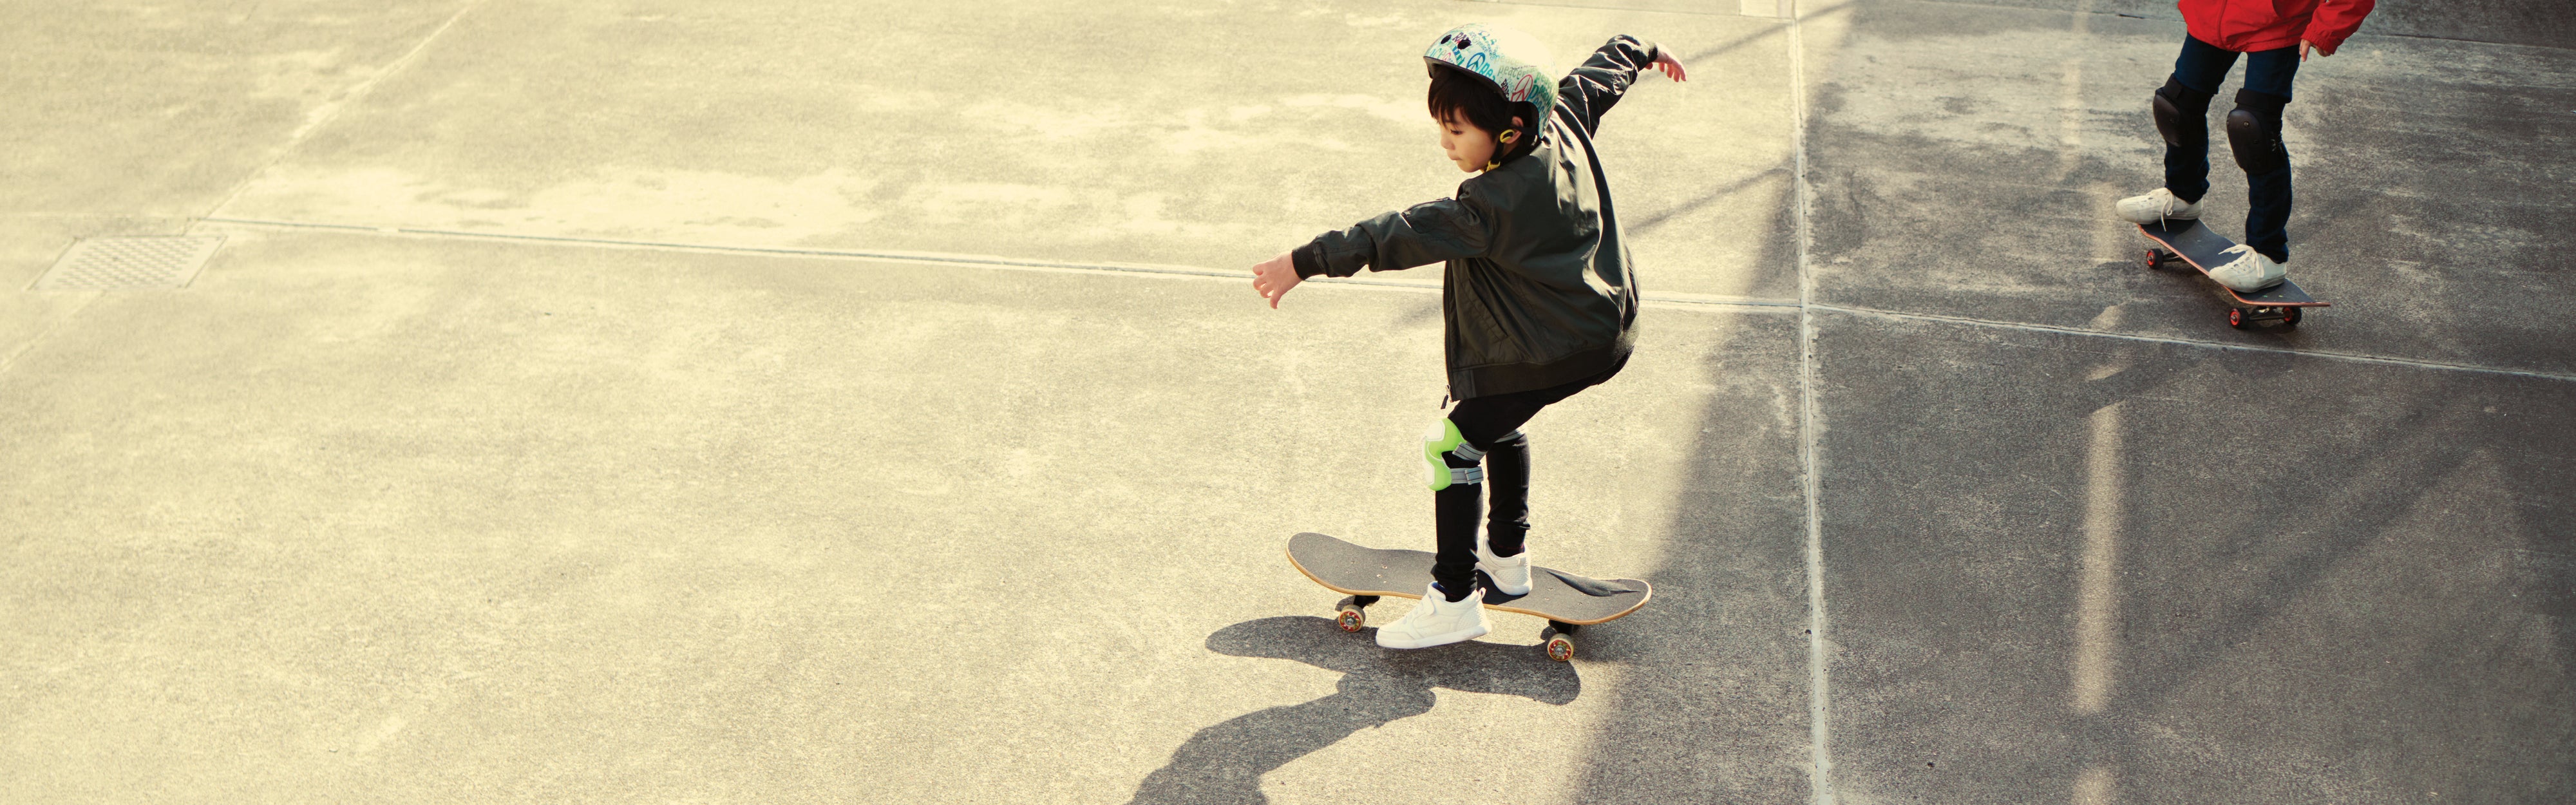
{"points": [[1492, 424], [2268, 73]]}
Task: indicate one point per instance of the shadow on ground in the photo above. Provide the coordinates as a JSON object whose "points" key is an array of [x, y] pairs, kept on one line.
{"points": [[1224, 763]]}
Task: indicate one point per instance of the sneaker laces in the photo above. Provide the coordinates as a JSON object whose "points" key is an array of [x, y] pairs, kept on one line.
{"points": [[2237, 255]]}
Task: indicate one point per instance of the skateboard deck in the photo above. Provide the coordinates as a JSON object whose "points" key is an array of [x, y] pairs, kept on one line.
{"points": [[2191, 243], [1566, 600]]}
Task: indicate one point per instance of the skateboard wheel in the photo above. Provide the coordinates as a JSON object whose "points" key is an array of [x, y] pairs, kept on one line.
{"points": [[2155, 260], [1560, 648], [1352, 612], [2289, 317], [2236, 317]]}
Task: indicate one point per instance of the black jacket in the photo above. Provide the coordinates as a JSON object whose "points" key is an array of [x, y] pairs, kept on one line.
{"points": [[1540, 288]]}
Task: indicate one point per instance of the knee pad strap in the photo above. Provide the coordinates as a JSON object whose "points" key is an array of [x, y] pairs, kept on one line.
{"points": [[1448, 459]]}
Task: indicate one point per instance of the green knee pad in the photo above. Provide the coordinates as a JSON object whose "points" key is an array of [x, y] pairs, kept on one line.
{"points": [[1443, 442]]}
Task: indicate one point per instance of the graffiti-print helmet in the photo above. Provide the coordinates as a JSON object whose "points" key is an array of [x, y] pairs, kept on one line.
{"points": [[1514, 62]]}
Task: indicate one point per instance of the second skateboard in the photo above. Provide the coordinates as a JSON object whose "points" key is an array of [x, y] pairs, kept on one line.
{"points": [[2190, 243]]}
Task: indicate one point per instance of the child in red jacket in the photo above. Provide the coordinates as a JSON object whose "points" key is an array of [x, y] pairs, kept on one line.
{"points": [[2277, 35]]}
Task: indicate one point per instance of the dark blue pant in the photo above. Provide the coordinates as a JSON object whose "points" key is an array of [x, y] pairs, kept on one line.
{"points": [[2200, 68]]}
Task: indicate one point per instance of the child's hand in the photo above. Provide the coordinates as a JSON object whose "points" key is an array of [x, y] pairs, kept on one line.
{"points": [[1274, 277], [1664, 61]]}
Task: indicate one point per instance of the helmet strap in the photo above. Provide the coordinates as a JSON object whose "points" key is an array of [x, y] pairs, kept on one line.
{"points": [[1502, 145]]}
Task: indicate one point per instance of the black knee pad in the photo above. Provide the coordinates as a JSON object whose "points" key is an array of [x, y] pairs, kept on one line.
{"points": [[2254, 132], [2182, 114]]}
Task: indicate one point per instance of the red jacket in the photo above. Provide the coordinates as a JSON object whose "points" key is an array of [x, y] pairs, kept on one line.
{"points": [[2246, 26]]}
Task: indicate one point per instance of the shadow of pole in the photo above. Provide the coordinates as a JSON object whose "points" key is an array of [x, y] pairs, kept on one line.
{"points": [[1224, 763]]}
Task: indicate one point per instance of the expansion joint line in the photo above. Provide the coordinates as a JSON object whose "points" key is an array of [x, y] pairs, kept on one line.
{"points": [[2355, 357], [1805, 305], [1820, 769], [330, 110]]}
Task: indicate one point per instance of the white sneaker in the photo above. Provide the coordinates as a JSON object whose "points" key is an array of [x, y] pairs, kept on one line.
{"points": [[1511, 574], [1436, 621], [2156, 207], [2249, 272]]}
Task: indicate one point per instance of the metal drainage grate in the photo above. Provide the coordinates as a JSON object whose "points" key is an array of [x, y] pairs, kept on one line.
{"points": [[117, 264]]}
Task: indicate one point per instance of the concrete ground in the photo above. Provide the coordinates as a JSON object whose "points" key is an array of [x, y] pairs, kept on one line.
{"points": [[632, 400]]}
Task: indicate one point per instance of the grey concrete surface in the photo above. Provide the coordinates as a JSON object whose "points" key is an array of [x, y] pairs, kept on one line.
{"points": [[2064, 567], [507, 452], [2360, 597], [126, 109]]}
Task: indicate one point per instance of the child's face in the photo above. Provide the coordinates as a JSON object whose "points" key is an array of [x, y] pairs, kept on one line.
{"points": [[1467, 145]]}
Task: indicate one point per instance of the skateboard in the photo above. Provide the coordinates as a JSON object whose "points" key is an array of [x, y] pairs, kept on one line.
{"points": [[2189, 242], [1566, 600]]}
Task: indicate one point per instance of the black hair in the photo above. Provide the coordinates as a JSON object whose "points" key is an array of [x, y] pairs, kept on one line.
{"points": [[1461, 94]]}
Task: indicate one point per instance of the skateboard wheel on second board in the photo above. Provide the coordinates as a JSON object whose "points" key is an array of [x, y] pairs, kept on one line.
{"points": [[2289, 317], [2236, 317]]}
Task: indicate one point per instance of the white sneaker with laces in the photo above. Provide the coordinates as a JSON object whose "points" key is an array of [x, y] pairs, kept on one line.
{"points": [[1511, 574], [1437, 621], [2156, 207], [2249, 272]]}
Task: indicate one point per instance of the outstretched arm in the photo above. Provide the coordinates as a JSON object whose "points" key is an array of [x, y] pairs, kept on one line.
{"points": [[1590, 90], [1423, 234]]}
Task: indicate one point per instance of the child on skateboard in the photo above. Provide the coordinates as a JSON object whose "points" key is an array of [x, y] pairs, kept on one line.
{"points": [[2276, 36], [1539, 301]]}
